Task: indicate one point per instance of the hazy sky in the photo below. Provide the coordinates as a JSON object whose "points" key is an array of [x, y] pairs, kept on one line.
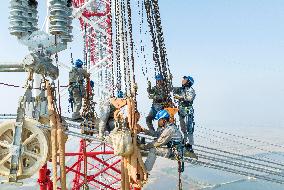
{"points": [[233, 49]]}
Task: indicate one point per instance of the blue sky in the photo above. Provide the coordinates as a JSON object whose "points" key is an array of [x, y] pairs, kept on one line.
{"points": [[233, 49]]}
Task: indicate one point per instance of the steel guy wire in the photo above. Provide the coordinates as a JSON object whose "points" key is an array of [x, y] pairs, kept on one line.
{"points": [[231, 140], [275, 162], [243, 137], [235, 149], [235, 171], [240, 165], [239, 158]]}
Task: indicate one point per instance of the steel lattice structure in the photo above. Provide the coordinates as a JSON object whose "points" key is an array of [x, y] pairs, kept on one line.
{"points": [[94, 165], [96, 26]]}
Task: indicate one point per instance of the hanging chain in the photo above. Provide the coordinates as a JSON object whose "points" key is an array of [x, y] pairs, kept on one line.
{"points": [[85, 44], [89, 112], [89, 53], [159, 49], [117, 42], [161, 40], [124, 41], [156, 57], [131, 53], [56, 54], [142, 45], [110, 44]]}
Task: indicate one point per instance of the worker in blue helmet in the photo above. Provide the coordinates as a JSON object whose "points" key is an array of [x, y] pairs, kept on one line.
{"points": [[163, 145], [92, 84], [77, 89], [185, 96], [159, 77], [159, 97], [79, 63], [119, 94]]}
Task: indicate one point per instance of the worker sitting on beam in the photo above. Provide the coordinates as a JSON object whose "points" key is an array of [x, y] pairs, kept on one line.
{"points": [[77, 88], [159, 97], [168, 143], [185, 96]]}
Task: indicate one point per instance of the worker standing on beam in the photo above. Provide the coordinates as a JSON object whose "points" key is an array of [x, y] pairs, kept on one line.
{"points": [[185, 96], [77, 88], [159, 97], [169, 140]]}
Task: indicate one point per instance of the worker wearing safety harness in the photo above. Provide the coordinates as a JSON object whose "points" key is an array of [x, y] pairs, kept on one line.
{"points": [[168, 143], [185, 96], [159, 97], [77, 88], [107, 122]]}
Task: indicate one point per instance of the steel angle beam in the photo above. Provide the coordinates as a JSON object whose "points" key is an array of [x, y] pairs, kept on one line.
{"points": [[11, 68]]}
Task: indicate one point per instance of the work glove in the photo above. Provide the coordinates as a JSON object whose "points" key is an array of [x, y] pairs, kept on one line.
{"points": [[177, 97], [149, 84], [146, 146]]}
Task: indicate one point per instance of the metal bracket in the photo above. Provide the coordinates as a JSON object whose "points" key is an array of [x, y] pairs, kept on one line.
{"points": [[12, 68], [16, 147], [16, 151], [12, 183]]}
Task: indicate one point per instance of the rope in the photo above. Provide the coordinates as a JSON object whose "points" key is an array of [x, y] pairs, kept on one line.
{"points": [[11, 85], [17, 86], [179, 175]]}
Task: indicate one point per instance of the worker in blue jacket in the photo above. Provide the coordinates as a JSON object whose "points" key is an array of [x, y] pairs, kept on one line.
{"points": [[163, 145], [185, 96], [159, 96], [77, 89]]}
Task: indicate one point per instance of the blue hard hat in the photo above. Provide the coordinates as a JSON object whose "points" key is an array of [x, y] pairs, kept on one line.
{"points": [[79, 63], [162, 114], [119, 94], [159, 77], [189, 79], [92, 84]]}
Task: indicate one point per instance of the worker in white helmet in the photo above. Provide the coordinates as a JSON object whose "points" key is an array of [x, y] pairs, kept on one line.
{"points": [[170, 136], [185, 96]]}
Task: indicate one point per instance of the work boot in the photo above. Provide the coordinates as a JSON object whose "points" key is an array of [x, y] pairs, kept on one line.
{"points": [[101, 137], [144, 153], [150, 132], [189, 152], [76, 117]]}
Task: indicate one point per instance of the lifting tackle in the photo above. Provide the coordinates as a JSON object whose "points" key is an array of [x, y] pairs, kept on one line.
{"points": [[25, 147]]}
